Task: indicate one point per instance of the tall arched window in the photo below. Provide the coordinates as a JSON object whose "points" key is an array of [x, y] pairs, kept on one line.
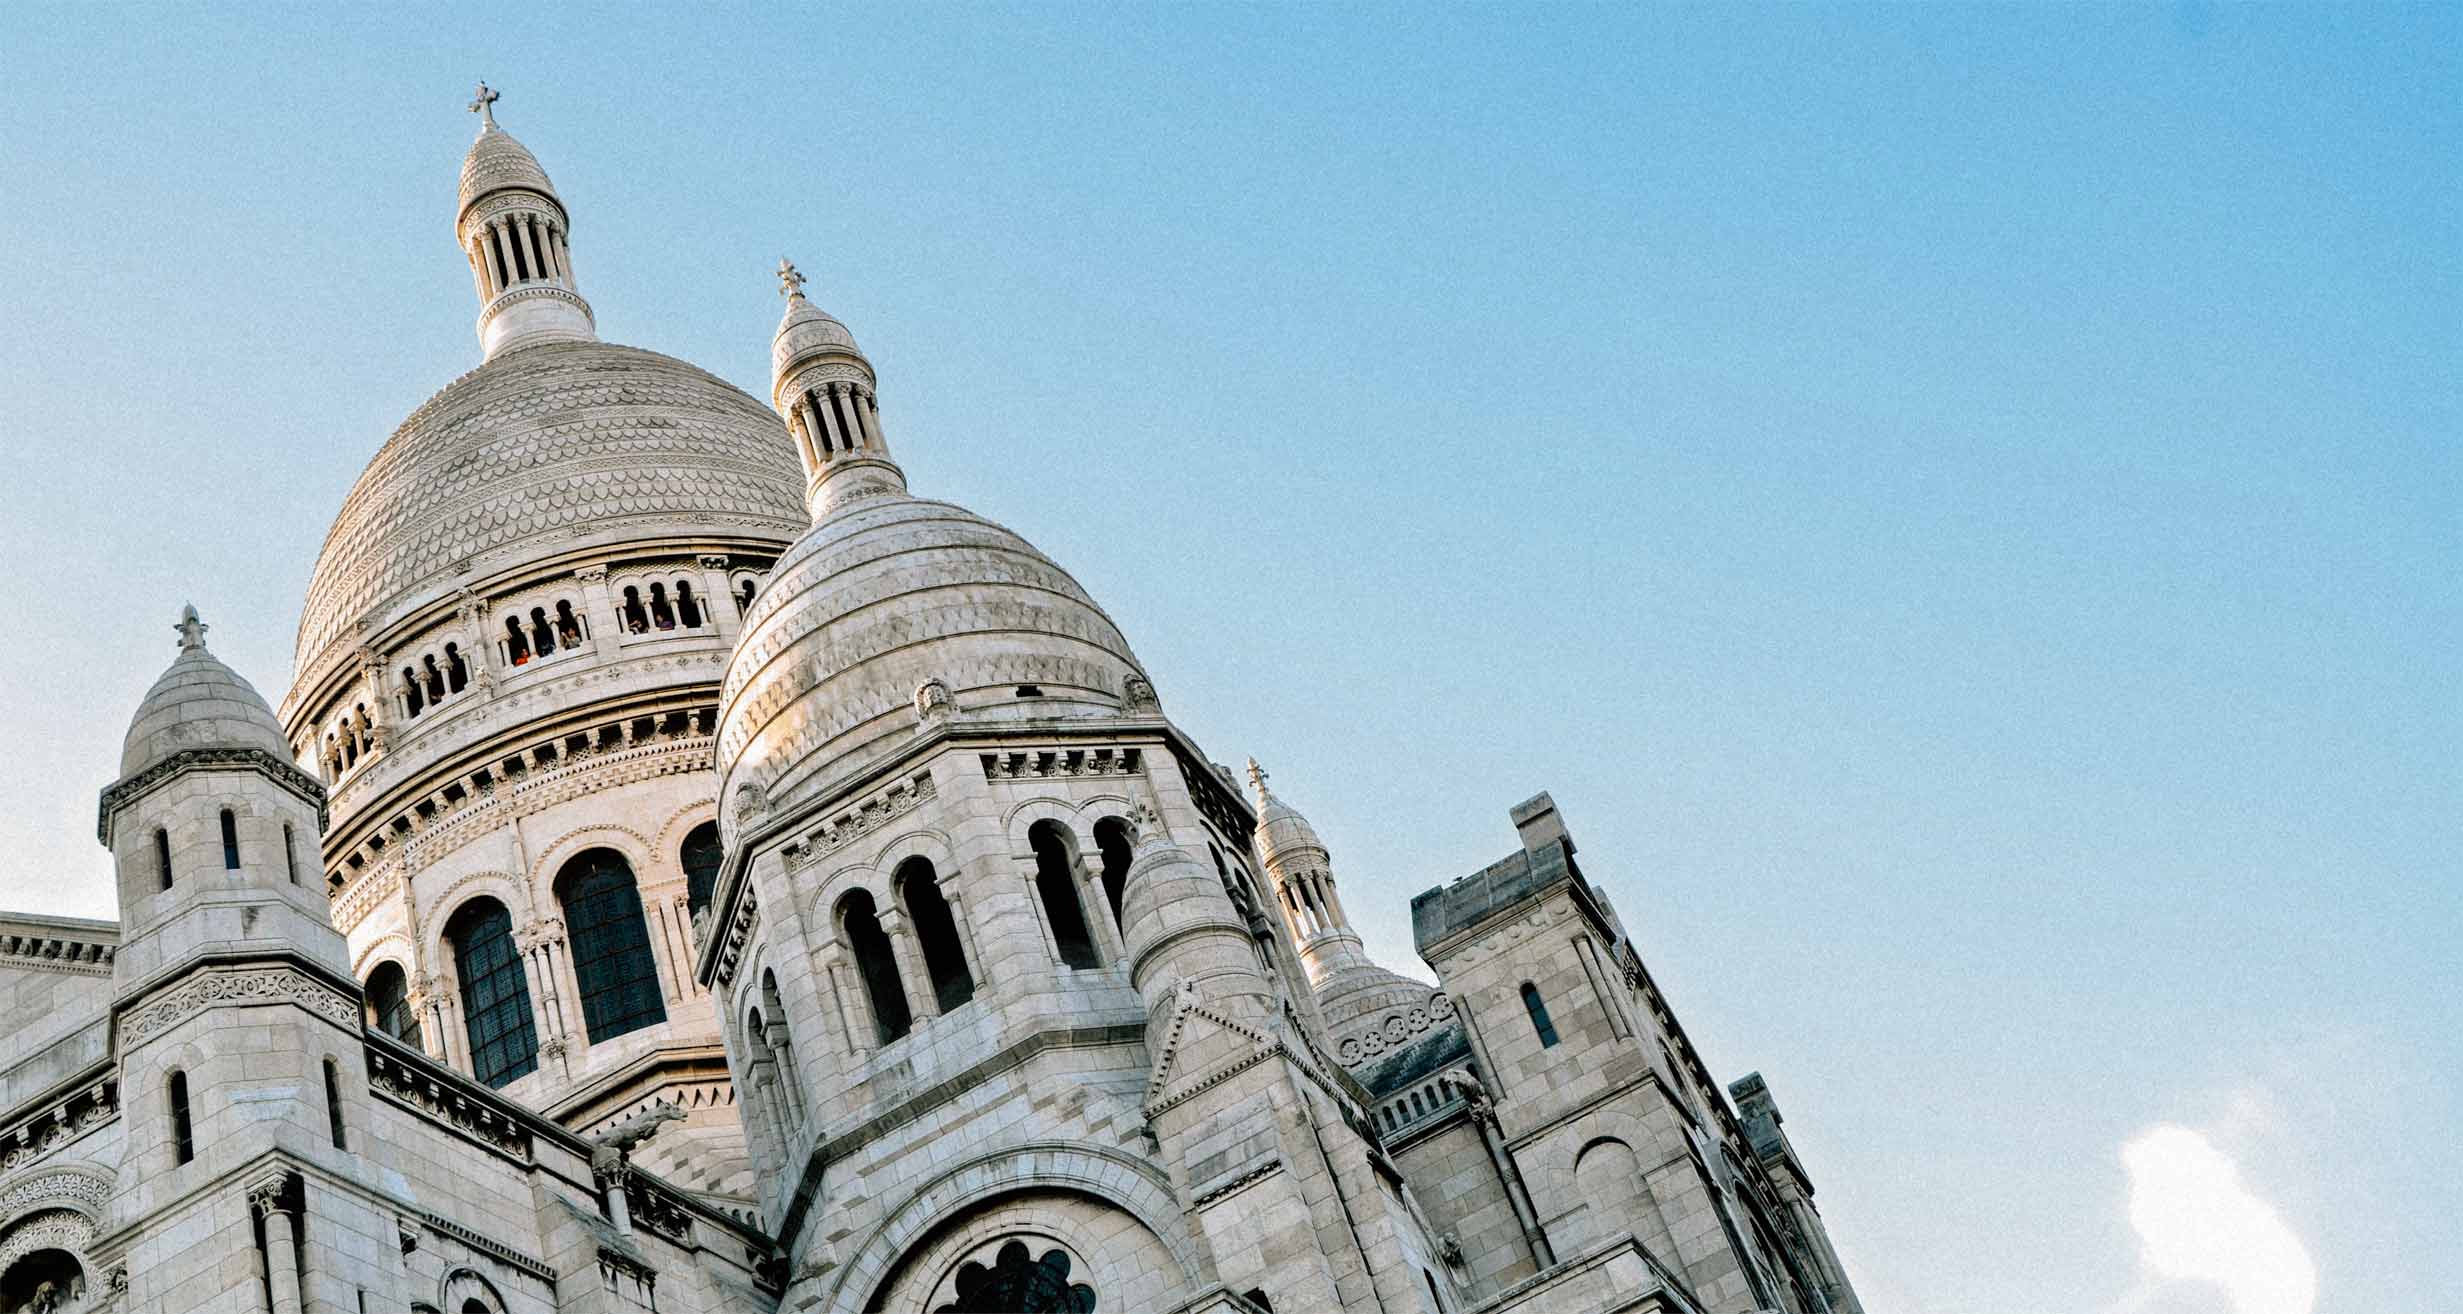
{"points": [[1057, 884], [183, 1132], [619, 978], [661, 614], [389, 1005], [568, 626], [937, 932], [414, 698], [701, 857], [636, 619], [860, 924], [688, 607], [162, 855], [230, 841], [436, 678], [504, 1043], [542, 635], [744, 598], [1112, 842], [1538, 1009], [457, 671]]}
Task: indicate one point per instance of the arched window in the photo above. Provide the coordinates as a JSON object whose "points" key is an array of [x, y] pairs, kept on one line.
{"points": [[1016, 1281], [517, 648], [389, 1005], [414, 699], [333, 1102], [183, 1133], [660, 614], [612, 964], [688, 608], [1112, 843], [542, 635], [568, 626], [230, 841], [457, 671], [701, 857], [937, 932], [1538, 1009], [744, 597], [436, 678], [504, 1043], [290, 853], [636, 619], [876, 964], [781, 1042], [1056, 882], [162, 855]]}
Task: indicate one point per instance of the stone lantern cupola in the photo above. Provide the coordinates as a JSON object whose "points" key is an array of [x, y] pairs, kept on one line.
{"points": [[514, 228], [822, 386], [212, 828]]}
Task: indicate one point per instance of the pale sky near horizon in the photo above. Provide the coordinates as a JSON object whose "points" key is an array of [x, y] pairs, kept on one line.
{"points": [[1960, 506]]}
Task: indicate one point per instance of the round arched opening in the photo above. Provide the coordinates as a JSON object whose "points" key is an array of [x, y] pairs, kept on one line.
{"points": [[43, 1282]]}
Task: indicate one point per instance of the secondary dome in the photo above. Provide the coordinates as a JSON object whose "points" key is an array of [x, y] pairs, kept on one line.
{"points": [[884, 595], [199, 703], [543, 449]]}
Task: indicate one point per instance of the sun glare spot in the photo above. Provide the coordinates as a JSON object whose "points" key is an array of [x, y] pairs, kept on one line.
{"points": [[2197, 1221]]}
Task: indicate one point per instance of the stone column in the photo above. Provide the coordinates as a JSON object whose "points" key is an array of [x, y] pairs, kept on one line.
{"points": [[599, 604], [966, 934], [524, 226], [1095, 909], [281, 1241], [922, 1002], [564, 261], [852, 1038], [490, 253], [828, 406], [715, 602], [869, 412]]}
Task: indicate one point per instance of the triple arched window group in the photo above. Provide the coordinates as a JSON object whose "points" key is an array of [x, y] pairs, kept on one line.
{"points": [[916, 886], [615, 973]]}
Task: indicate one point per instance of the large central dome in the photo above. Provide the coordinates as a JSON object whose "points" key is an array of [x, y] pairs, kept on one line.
{"points": [[543, 449]]}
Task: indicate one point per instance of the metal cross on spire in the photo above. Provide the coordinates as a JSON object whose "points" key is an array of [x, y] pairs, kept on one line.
{"points": [[484, 105], [1257, 777], [191, 630], [790, 283]]}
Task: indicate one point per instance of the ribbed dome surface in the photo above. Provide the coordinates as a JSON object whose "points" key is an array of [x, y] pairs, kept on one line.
{"points": [[887, 594], [199, 703], [497, 161], [537, 450]]}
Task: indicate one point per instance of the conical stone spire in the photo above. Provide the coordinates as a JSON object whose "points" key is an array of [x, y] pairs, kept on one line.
{"points": [[513, 227]]}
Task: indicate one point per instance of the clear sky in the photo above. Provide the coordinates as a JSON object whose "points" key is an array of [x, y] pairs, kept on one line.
{"points": [[1960, 506]]}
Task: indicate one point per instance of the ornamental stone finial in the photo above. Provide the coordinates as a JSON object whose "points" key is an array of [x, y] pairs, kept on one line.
{"points": [[484, 105], [190, 629], [790, 282], [1257, 780]]}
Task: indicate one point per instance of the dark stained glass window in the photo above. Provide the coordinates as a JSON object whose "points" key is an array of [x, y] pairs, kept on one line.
{"points": [[504, 1043], [612, 963]]}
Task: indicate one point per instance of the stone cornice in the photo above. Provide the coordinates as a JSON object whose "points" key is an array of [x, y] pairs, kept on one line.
{"points": [[208, 759], [43, 945]]}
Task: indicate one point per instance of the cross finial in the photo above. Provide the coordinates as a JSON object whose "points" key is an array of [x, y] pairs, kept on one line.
{"points": [[790, 283], [191, 630], [484, 105], [1257, 778]]}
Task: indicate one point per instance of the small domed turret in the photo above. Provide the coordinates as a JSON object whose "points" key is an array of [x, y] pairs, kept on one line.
{"points": [[822, 386], [512, 225], [199, 703], [213, 828]]}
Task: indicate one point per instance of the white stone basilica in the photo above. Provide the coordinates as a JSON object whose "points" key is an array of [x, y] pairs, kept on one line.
{"points": [[691, 873]]}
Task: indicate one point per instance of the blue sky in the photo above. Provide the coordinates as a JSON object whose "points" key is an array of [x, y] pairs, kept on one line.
{"points": [[1959, 505]]}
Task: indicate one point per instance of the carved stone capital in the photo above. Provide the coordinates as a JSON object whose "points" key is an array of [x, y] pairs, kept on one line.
{"points": [[265, 1194]]}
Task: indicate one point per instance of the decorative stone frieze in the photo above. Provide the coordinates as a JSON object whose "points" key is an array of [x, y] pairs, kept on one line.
{"points": [[1060, 763], [213, 987], [413, 1088], [207, 759], [864, 818]]}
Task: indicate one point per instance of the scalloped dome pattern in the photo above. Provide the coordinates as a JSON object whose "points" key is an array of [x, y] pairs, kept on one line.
{"points": [[544, 445], [199, 703], [806, 328], [496, 161]]}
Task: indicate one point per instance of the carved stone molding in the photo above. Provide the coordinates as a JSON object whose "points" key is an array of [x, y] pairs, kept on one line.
{"points": [[208, 759], [212, 988], [870, 815]]}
